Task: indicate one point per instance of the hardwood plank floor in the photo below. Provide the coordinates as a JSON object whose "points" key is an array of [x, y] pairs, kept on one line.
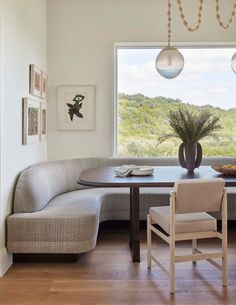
{"points": [[107, 276]]}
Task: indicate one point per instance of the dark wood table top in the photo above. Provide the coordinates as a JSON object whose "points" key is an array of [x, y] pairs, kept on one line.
{"points": [[163, 176]]}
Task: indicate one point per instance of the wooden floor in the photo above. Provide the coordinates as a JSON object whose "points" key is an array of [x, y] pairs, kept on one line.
{"points": [[108, 276]]}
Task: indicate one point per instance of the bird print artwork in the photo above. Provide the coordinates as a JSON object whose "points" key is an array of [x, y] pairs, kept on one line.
{"points": [[74, 109]]}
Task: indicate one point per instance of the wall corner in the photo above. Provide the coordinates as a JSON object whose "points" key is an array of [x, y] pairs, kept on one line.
{"points": [[6, 260]]}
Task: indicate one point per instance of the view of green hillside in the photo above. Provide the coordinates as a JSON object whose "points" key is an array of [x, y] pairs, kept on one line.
{"points": [[142, 120]]}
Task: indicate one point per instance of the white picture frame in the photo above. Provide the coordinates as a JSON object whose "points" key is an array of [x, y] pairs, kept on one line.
{"points": [[35, 81], [30, 121], [43, 121], [43, 92], [76, 107]]}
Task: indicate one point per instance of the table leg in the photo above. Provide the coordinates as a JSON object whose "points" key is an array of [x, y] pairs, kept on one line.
{"points": [[131, 219], [134, 224]]}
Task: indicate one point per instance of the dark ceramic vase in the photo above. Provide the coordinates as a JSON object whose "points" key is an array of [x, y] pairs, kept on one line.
{"points": [[190, 156]]}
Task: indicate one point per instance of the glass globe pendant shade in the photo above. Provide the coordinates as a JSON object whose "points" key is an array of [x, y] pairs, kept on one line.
{"points": [[233, 63], [169, 62]]}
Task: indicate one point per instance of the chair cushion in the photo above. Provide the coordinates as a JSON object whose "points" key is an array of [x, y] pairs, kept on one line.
{"points": [[184, 223]]}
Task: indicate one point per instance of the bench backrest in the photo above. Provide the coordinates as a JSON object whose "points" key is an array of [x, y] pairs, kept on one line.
{"points": [[41, 182], [38, 184]]}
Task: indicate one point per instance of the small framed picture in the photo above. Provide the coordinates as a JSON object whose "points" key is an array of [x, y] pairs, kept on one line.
{"points": [[43, 121], [43, 85], [76, 107], [35, 81], [30, 121]]}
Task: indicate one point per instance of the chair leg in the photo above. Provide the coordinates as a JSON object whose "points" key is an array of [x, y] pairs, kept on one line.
{"points": [[149, 242], [172, 266], [224, 239], [194, 246], [224, 261], [224, 272]]}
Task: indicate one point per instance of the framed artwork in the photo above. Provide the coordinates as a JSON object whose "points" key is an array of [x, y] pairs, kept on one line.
{"points": [[43, 84], [43, 121], [30, 121], [76, 107], [35, 81]]}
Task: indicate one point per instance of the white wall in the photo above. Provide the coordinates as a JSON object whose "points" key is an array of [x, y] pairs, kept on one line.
{"points": [[81, 37], [23, 41]]}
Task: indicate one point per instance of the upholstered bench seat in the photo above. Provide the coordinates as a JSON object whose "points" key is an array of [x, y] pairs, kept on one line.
{"points": [[69, 223]]}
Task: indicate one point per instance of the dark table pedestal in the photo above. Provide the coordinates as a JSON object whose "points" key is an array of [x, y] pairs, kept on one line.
{"points": [[134, 224]]}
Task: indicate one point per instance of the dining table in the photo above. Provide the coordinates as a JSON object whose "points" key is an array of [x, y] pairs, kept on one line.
{"points": [[163, 176]]}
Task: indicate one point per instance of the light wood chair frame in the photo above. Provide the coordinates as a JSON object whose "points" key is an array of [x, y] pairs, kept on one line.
{"points": [[173, 237]]}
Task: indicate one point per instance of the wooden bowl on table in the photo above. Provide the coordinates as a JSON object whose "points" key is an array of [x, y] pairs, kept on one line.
{"points": [[227, 170]]}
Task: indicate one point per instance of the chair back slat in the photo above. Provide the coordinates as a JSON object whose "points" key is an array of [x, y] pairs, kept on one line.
{"points": [[199, 195]]}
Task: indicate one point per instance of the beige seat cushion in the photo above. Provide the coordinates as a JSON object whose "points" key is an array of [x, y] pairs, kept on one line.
{"points": [[185, 223]]}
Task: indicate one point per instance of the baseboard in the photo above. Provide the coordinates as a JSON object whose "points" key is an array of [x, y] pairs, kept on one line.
{"points": [[5, 261]]}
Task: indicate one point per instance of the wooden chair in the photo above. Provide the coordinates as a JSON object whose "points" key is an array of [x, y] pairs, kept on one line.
{"points": [[186, 219]]}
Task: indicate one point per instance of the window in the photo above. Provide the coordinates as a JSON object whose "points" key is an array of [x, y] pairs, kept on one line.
{"points": [[144, 99]]}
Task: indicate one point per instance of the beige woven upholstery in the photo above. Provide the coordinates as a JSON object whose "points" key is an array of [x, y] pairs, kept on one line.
{"points": [[184, 223], [186, 219]]}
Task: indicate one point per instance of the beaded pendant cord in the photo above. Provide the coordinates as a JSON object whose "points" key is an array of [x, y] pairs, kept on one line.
{"points": [[225, 26], [185, 22], [218, 17]]}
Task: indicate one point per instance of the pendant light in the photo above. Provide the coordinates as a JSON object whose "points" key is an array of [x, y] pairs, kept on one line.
{"points": [[169, 62], [233, 63]]}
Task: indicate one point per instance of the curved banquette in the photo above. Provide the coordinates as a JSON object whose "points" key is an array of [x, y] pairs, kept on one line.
{"points": [[52, 213]]}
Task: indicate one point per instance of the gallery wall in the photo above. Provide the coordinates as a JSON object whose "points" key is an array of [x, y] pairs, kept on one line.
{"points": [[81, 37], [23, 42]]}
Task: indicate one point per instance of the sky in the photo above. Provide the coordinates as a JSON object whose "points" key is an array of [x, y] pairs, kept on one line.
{"points": [[207, 77]]}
